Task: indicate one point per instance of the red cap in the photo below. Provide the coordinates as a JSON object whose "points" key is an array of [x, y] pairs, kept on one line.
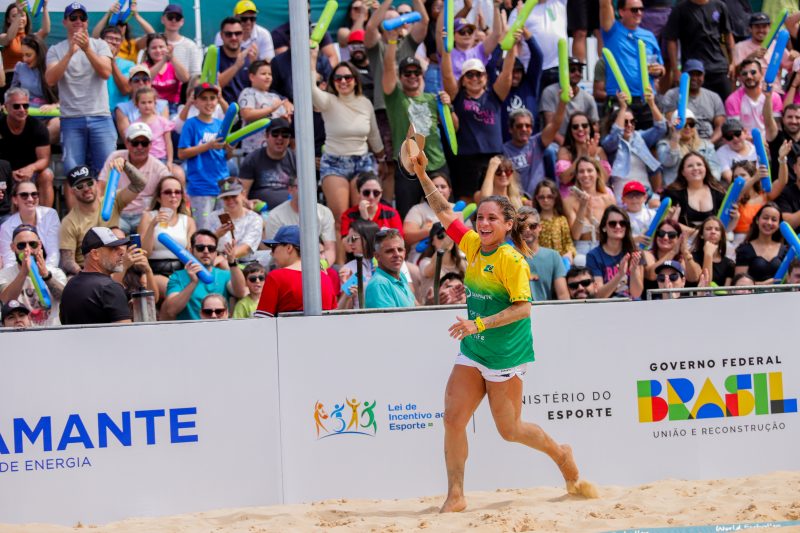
{"points": [[633, 186], [356, 36]]}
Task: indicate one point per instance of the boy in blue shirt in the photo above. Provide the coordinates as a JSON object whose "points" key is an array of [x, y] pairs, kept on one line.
{"points": [[204, 154]]}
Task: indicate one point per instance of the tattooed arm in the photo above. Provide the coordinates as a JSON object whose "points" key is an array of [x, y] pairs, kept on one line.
{"points": [[441, 207]]}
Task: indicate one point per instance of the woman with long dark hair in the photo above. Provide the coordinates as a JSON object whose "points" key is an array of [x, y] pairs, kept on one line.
{"points": [[669, 244], [709, 251], [695, 191], [763, 250], [359, 242], [615, 263], [16, 26], [581, 139], [555, 232]]}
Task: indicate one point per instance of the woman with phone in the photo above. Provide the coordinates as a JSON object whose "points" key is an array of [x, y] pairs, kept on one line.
{"points": [[168, 214], [235, 220]]}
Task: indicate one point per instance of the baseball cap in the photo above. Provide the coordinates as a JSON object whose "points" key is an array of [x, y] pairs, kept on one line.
{"points": [[460, 23], [279, 123], [100, 237], [409, 61], [229, 187], [12, 306], [730, 125], [139, 129], [173, 8], [356, 36], [693, 65], [74, 6], [576, 61], [203, 87], [675, 265], [24, 227], [78, 174], [285, 235], [759, 18], [243, 6], [633, 186], [472, 64], [138, 69]]}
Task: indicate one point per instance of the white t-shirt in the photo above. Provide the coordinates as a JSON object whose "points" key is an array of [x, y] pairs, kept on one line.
{"points": [[188, 54], [28, 297], [726, 156], [248, 230], [548, 22], [260, 35], [284, 215]]}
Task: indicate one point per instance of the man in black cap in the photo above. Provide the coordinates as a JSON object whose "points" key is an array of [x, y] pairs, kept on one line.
{"points": [[266, 173], [580, 102], [88, 209], [407, 104], [752, 48], [16, 315], [92, 297]]}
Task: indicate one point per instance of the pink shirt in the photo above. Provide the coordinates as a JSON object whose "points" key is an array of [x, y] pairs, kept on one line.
{"points": [[749, 112], [167, 85], [160, 126], [744, 48]]}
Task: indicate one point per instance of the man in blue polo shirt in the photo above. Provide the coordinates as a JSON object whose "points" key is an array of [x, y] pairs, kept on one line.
{"points": [[622, 37], [388, 286]]}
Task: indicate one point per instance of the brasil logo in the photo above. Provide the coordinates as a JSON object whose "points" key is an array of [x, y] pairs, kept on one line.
{"points": [[358, 422]]}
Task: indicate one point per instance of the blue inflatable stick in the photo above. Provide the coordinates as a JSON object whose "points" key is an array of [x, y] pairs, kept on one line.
{"points": [[228, 120], [774, 65], [784, 268], [731, 197], [396, 22], [763, 159], [38, 283], [791, 237], [459, 206], [660, 214], [110, 195], [683, 100], [185, 257]]}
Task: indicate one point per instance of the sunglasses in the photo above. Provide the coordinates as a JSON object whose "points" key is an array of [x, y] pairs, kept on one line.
{"points": [[144, 143], [172, 192], [84, 184], [205, 248], [254, 279], [730, 135], [580, 126], [140, 79], [465, 32], [576, 68], [230, 34], [412, 72], [174, 17], [26, 195], [545, 197], [661, 278], [617, 223], [523, 126], [375, 193], [32, 244], [582, 283], [281, 134], [630, 122], [668, 234], [214, 312], [352, 239], [506, 171], [752, 72], [20, 106], [531, 225], [82, 17], [247, 19], [347, 78], [636, 10], [472, 74], [691, 123]]}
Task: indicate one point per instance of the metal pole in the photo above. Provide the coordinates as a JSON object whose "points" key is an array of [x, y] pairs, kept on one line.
{"points": [[306, 171], [360, 278], [198, 29]]}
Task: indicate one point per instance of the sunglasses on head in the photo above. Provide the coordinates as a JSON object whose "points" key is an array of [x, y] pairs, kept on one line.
{"points": [[375, 193], [32, 244], [213, 311], [580, 126], [230, 34], [465, 31], [174, 17], [617, 223], [343, 77], [256, 278], [21, 106], [661, 278], [205, 248], [144, 143], [582, 283], [25, 195], [668, 234], [78, 16], [82, 185], [731, 134]]}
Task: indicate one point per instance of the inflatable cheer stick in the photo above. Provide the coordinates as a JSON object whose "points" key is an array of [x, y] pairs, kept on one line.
{"points": [[761, 154], [324, 21], [449, 25], [208, 74], [791, 237], [396, 22], [247, 131], [774, 29], [35, 8], [227, 122], [774, 66], [660, 214], [38, 283], [614, 68], [683, 100], [563, 69], [467, 212], [122, 16], [446, 117], [518, 24], [36, 112], [185, 257], [784, 268], [110, 195], [643, 68], [731, 197]]}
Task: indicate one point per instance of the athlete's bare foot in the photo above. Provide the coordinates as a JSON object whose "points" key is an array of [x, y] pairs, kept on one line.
{"points": [[454, 504], [569, 470]]}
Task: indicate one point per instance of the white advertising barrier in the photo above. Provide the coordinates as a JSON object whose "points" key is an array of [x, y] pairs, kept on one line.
{"points": [[101, 424], [700, 388]]}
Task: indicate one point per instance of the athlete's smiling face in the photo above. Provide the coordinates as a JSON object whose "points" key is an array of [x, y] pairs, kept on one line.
{"points": [[492, 226]]}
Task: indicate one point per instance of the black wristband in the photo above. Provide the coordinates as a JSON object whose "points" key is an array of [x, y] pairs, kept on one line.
{"points": [[48, 277]]}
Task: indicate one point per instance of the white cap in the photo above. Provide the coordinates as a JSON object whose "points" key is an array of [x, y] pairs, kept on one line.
{"points": [[472, 64], [139, 129]]}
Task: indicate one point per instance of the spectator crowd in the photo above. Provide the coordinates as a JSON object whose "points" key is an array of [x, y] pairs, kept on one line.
{"points": [[586, 172]]}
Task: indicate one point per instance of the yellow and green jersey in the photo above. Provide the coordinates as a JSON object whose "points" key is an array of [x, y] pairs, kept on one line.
{"points": [[493, 281]]}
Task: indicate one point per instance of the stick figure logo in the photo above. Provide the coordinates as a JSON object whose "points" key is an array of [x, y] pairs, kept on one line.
{"points": [[350, 417]]}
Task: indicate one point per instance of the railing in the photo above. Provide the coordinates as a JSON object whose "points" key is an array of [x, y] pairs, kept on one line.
{"points": [[742, 289]]}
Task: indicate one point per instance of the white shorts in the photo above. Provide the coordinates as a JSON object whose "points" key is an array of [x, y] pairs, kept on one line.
{"points": [[490, 374]]}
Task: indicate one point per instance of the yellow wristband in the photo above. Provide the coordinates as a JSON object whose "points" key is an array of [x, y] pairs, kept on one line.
{"points": [[480, 325], [392, 42]]}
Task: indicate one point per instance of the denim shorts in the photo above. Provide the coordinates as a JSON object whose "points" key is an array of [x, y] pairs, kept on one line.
{"points": [[346, 166]]}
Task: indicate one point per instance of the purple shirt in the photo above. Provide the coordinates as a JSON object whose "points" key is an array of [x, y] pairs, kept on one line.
{"points": [[527, 161], [458, 57]]}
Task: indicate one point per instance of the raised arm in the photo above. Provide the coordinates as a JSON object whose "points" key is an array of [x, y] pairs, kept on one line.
{"points": [[419, 29], [607, 18], [372, 33], [441, 207], [494, 36], [502, 85], [449, 81], [389, 81]]}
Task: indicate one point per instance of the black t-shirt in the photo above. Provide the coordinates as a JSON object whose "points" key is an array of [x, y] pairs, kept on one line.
{"points": [[774, 146], [739, 12], [757, 267], [239, 82], [281, 36], [789, 200], [93, 298], [5, 176], [721, 271], [20, 150], [699, 30], [690, 217]]}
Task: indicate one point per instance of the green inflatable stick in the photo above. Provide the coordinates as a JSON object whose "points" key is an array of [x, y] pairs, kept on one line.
{"points": [[324, 21], [614, 67], [519, 23], [563, 69]]}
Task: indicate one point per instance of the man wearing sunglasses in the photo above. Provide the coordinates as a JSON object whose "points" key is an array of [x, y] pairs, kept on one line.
{"points": [[234, 59], [265, 173], [137, 153], [707, 106], [621, 38], [252, 33], [670, 275], [749, 102], [736, 147], [185, 291], [581, 284], [80, 67], [547, 269], [25, 144], [15, 283], [184, 49], [87, 211]]}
